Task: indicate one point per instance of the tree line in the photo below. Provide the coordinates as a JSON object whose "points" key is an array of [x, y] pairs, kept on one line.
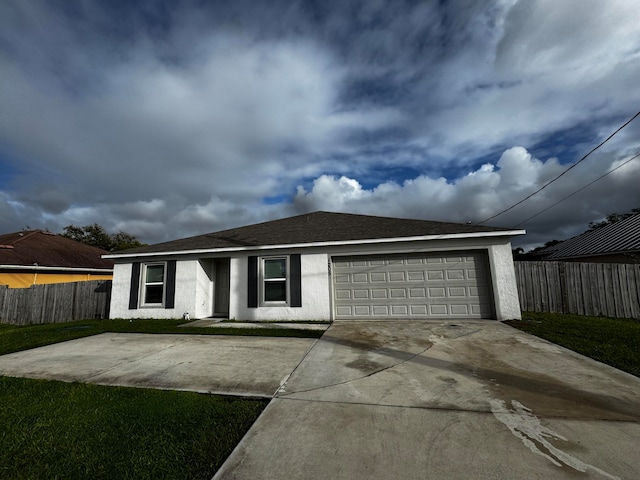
{"points": [[96, 236]]}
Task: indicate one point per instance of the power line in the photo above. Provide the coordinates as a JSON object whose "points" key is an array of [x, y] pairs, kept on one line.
{"points": [[578, 191], [556, 178]]}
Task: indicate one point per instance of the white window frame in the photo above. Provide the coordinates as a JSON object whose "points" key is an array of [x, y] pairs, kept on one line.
{"points": [[144, 284], [262, 280]]}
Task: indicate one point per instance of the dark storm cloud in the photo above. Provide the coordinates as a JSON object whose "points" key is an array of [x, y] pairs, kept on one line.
{"points": [[172, 118]]}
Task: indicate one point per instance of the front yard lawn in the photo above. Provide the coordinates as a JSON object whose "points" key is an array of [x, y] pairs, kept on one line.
{"points": [[76, 431], [14, 338], [613, 341]]}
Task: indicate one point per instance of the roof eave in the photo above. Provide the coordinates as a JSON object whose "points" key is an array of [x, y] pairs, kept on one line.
{"points": [[39, 268], [450, 236]]}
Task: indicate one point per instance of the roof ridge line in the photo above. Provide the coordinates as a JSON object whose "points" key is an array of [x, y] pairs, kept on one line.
{"points": [[30, 234]]}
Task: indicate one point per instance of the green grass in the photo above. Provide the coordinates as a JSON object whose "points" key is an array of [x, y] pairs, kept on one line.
{"points": [[15, 338], [613, 341], [74, 431], [52, 429]]}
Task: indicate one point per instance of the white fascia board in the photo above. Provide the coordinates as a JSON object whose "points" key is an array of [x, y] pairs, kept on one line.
{"points": [[507, 233], [57, 269]]}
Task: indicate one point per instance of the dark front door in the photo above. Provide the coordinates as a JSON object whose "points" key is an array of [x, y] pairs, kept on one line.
{"points": [[221, 287]]}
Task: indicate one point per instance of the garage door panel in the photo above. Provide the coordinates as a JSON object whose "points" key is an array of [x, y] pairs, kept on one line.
{"points": [[397, 276], [420, 286], [343, 294], [459, 309], [454, 259], [458, 292], [381, 310], [418, 292], [437, 292], [435, 275], [397, 293], [455, 275], [418, 310], [438, 310], [360, 278], [477, 309], [400, 310], [342, 278], [472, 273], [415, 276]]}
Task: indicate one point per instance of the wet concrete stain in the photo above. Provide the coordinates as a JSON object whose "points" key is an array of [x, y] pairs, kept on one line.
{"points": [[365, 365], [540, 439], [449, 380], [478, 359], [551, 396]]}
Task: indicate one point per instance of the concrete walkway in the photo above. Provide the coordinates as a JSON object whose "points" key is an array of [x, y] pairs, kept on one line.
{"points": [[216, 323], [416, 400]]}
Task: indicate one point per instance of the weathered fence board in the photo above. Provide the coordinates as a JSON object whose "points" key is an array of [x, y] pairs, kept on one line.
{"points": [[55, 303], [598, 289]]}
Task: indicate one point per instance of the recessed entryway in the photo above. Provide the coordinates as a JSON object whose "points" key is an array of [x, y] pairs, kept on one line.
{"points": [[221, 288]]}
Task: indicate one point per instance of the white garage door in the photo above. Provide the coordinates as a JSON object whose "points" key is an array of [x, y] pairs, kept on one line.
{"points": [[440, 285]]}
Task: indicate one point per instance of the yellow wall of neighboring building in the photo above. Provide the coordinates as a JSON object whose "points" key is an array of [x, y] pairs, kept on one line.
{"points": [[26, 279]]}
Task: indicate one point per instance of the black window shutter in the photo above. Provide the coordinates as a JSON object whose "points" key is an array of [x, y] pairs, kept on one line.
{"points": [[134, 287], [170, 293], [252, 298], [295, 280]]}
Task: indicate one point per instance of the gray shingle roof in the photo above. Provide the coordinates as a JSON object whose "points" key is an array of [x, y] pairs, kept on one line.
{"points": [[618, 237], [312, 228]]}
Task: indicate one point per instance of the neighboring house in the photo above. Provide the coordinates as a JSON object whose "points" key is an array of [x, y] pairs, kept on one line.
{"points": [[37, 257], [323, 266], [617, 242]]}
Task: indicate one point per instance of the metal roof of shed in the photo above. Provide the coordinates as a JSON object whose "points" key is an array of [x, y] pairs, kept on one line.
{"points": [[619, 237]]}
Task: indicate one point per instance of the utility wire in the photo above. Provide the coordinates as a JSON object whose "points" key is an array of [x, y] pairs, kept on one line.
{"points": [[578, 191], [556, 178]]}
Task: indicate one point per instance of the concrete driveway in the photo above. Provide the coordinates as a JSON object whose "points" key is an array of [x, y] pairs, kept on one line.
{"points": [[386, 400], [230, 365], [426, 400]]}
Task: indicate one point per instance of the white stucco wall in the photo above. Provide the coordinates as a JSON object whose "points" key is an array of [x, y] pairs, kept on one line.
{"points": [[120, 291], [185, 297], [315, 291], [505, 289], [195, 281], [203, 289]]}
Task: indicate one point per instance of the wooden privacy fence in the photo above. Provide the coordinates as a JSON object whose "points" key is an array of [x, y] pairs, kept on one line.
{"points": [[595, 289], [55, 303]]}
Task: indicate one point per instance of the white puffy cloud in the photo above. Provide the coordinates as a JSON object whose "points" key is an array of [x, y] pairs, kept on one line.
{"points": [[487, 191]]}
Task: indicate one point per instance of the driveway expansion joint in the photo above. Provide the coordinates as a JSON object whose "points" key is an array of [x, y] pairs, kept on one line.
{"points": [[284, 381], [137, 359], [346, 382]]}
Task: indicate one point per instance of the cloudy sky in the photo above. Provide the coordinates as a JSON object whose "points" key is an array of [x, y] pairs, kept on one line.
{"points": [[170, 119]]}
